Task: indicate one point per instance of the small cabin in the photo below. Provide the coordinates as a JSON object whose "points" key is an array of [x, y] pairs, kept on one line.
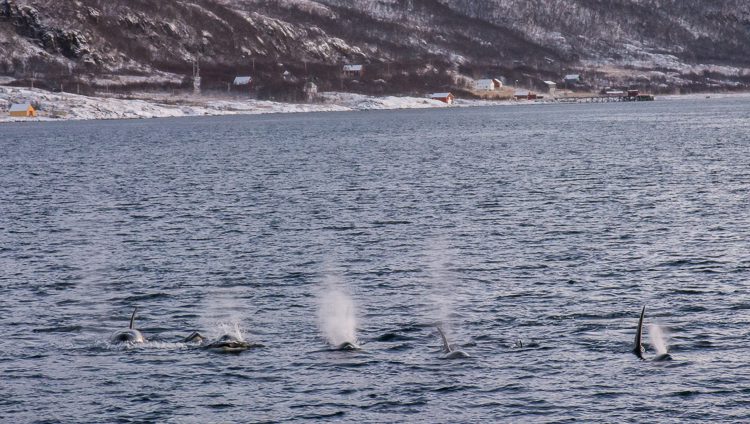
{"points": [[22, 110], [551, 87], [484, 85], [443, 97], [240, 81], [614, 93], [573, 79], [353, 71], [525, 95]]}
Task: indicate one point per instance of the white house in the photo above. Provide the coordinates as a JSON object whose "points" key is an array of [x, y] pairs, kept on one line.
{"points": [[484, 85], [551, 87], [243, 80], [353, 70]]}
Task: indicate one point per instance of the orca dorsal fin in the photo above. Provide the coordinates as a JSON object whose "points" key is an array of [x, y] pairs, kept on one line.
{"points": [[446, 345], [132, 318], [637, 345]]}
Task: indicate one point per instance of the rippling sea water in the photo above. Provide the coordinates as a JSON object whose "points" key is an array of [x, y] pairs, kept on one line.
{"points": [[548, 225]]}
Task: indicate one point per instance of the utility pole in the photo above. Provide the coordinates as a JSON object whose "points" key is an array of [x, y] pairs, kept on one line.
{"points": [[196, 77]]}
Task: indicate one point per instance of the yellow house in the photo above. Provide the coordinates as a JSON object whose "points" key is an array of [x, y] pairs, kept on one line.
{"points": [[22, 110]]}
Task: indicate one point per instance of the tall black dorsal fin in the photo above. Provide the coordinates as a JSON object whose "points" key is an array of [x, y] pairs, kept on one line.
{"points": [[193, 337], [637, 345], [446, 345], [132, 318]]}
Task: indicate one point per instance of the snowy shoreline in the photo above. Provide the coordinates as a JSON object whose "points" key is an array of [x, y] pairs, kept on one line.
{"points": [[70, 107]]}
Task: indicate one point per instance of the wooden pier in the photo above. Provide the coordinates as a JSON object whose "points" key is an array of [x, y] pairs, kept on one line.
{"points": [[606, 99]]}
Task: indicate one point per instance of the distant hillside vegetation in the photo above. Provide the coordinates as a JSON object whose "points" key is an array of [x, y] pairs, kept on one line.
{"points": [[407, 46]]}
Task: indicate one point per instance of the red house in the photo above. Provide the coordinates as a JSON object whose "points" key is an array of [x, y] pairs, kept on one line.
{"points": [[443, 97]]}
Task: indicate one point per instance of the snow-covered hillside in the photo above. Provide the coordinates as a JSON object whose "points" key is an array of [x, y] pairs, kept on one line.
{"points": [[657, 44]]}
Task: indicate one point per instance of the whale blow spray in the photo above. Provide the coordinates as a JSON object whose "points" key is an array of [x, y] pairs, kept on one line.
{"points": [[336, 315], [658, 339]]}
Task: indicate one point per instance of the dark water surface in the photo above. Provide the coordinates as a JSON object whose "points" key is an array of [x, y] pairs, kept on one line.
{"points": [[548, 224]]}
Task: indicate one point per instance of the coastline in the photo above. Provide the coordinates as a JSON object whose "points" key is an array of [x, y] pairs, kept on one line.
{"points": [[57, 107]]}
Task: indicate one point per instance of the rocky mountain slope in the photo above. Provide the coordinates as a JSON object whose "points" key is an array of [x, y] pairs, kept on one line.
{"points": [[406, 45]]}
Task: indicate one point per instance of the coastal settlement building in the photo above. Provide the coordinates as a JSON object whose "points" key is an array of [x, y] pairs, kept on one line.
{"points": [[311, 90], [22, 110], [522, 94], [244, 82], [484, 85], [488, 84], [353, 71], [443, 97], [551, 87], [572, 79]]}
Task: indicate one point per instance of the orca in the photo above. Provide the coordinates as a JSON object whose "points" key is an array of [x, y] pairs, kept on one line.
{"points": [[519, 344], [129, 335], [638, 349], [450, 351], [224, 344], [663, 357], [638, 346], [347, 346]]}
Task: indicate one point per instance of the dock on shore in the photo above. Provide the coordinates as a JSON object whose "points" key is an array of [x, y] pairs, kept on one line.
{"points": [[606, 99]]}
